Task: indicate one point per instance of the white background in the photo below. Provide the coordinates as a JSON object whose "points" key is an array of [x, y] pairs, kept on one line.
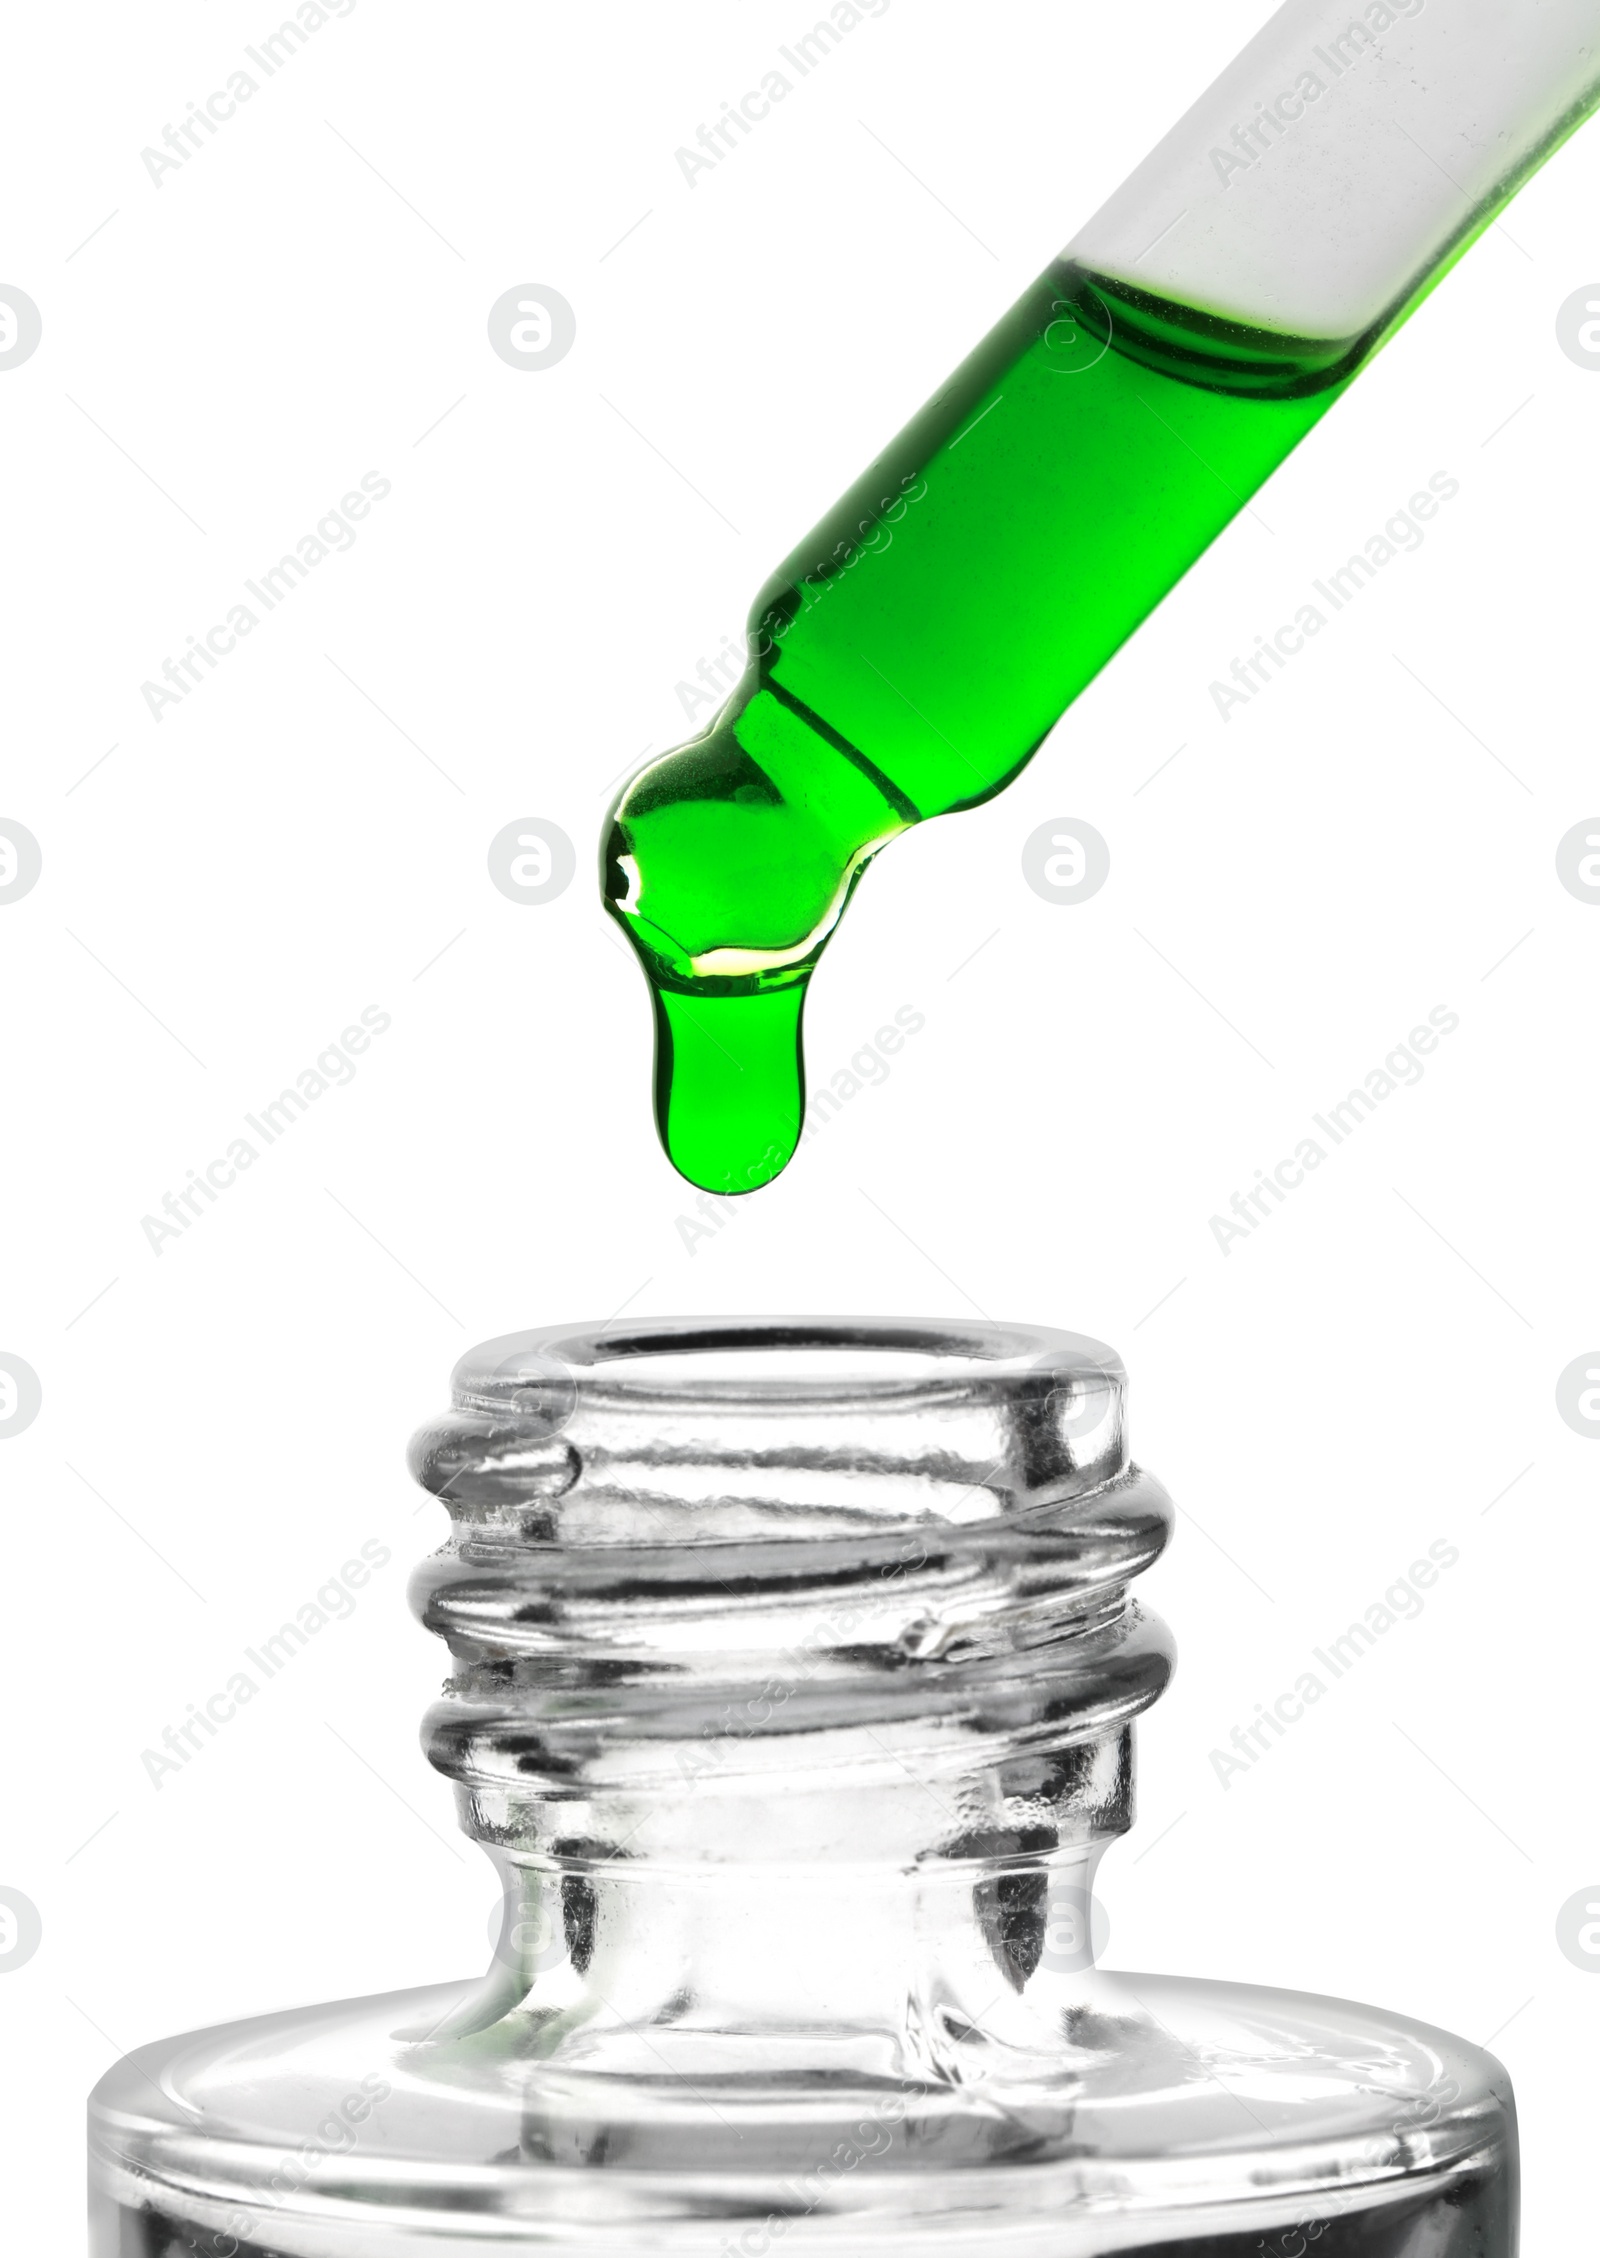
{"points": [[222, 1424]]}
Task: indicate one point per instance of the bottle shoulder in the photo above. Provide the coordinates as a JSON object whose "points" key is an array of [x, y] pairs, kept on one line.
{"points": [[1163, 2104]]}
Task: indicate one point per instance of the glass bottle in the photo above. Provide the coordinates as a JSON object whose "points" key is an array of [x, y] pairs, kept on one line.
{"points": [[796, 1671], [912, 653]]}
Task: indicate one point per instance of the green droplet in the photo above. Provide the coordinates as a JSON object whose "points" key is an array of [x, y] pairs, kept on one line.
{"points": [[728, 1084]]}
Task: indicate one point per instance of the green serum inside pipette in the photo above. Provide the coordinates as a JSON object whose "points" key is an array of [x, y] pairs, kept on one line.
{"points": [[911, 655]]}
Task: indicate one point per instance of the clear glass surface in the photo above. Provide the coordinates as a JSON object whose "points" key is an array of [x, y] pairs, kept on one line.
{"points": [[796, 1670], [1346, 157]]}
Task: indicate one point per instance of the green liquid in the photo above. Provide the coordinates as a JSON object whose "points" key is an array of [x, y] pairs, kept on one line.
{"points": [[911, 655]]}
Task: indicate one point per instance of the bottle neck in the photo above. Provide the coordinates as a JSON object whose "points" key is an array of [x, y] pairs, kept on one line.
{"points": [[863, 1951], [901, 1930], [787, 1710], [763, 1892]]}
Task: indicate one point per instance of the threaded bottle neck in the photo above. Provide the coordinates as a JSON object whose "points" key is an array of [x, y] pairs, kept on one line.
{"points": [[876, 1567]]}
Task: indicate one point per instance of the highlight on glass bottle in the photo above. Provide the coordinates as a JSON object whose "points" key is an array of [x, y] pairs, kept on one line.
{"points": [[910, 656], [795, 1676]]}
